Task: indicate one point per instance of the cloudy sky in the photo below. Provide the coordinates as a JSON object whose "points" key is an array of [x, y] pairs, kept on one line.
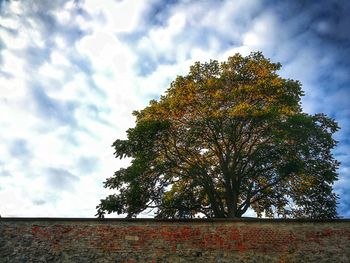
{"points": [[71, 73]]}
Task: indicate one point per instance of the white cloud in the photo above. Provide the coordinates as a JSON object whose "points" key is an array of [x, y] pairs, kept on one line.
{"points": [[262, 32], [162, 38], [59, 59], [106, 53], [51, 71], [60, 42], [12, 63], [119, 16]]}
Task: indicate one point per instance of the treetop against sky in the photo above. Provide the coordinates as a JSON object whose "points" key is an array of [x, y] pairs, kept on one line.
{"points": [[72, 72]]}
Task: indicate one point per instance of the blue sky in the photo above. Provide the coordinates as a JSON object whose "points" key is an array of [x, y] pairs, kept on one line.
{"points": [[71, 73]]}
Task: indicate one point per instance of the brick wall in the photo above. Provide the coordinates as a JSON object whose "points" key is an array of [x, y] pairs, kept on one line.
{"points": [[142, 240]]}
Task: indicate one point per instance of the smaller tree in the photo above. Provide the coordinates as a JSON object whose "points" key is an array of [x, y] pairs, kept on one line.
{"points": [[227, 137]]}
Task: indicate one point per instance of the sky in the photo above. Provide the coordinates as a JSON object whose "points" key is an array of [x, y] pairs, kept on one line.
{"points": [[72, 72]]}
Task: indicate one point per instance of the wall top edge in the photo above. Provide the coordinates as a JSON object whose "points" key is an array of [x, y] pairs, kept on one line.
{"points": [[153, 220]]}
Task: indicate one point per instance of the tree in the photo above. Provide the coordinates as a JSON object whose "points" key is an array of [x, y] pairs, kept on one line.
{"points": [[227, 137]]}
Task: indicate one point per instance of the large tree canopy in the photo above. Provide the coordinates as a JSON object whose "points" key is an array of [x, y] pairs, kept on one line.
{"points": [[227, 137]]}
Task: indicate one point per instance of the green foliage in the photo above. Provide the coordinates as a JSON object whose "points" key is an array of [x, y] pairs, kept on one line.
{"points": [[226, 137]]}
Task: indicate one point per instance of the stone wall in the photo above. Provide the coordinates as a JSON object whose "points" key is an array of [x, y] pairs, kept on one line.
{"points": [[145, 240]]}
